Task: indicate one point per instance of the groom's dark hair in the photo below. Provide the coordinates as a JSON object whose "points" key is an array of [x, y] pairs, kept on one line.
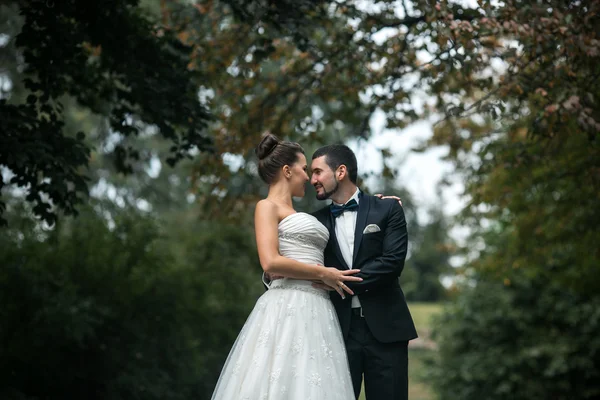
{"points": [[339, 154]]}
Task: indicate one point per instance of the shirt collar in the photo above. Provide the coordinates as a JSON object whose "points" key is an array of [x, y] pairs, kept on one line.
{"points": [[354, 196]]}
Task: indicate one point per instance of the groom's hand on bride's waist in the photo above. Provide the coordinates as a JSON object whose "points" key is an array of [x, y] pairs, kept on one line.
{"points": [[321, 285]]}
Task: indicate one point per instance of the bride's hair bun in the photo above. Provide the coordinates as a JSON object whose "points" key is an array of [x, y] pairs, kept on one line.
{"points": [[266, 146], [273, 154]]}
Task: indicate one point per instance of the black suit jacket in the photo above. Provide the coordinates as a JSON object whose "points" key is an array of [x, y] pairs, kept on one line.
{"points": [[380, 257]]}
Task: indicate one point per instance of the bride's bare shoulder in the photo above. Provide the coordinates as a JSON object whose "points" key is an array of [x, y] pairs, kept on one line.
{"points": [[266, 204], [266, 208]]}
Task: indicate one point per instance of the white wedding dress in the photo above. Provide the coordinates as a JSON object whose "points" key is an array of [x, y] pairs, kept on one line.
{"points": [[291, 346]]}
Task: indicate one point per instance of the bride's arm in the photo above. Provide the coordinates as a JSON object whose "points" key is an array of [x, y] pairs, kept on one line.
{"points": [[265, 223]]}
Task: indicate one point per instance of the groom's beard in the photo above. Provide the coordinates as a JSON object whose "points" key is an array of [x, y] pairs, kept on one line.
{"points": [[326, 194]]}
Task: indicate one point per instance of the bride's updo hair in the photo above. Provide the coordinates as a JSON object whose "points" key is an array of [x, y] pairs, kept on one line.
{"points": [[273, 154]]}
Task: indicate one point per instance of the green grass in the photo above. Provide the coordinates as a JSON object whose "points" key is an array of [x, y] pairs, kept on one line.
{"points": [[418, 389], [422, 314]]}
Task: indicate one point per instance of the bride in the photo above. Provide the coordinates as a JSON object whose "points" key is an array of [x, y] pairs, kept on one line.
{"points": [[291, 346]]}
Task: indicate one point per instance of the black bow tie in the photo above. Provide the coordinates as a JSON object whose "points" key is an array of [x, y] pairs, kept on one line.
{"points": [[336, 210]]}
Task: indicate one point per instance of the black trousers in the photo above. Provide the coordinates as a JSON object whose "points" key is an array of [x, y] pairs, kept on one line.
{"points": [[384, 365]]}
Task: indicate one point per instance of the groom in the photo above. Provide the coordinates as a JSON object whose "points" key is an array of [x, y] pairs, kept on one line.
{"points": [[369, 234]]}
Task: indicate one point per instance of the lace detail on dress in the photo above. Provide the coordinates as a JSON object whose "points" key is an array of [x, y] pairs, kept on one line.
{"points": [[308, 289], [304, 239]]}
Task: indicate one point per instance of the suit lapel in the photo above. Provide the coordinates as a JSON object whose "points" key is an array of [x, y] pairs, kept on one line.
{"points": [[329, 223], [361, 221]]}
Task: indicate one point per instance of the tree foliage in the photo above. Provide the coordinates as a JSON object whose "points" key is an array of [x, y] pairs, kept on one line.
{"points": [[296, 83], [522, 125], [532, 167], [534, 339], [516, 91], [115, 62], [144, 310], [429, 260]]}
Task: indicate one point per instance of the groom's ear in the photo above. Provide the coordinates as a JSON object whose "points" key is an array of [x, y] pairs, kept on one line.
{"points": [[341, 172]]}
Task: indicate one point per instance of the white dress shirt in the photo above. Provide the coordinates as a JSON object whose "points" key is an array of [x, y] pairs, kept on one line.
{"points": [[345, 226]]}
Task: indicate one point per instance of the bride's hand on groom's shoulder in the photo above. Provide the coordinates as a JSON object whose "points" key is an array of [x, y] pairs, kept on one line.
{"points": [[381, 196]]}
